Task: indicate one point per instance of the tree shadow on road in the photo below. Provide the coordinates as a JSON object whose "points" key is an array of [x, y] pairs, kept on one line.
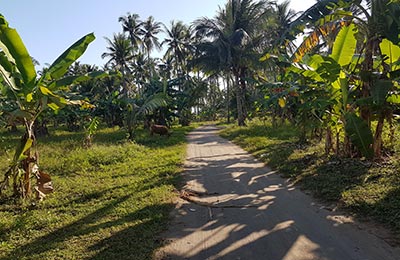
{"points": [[254, 214]]}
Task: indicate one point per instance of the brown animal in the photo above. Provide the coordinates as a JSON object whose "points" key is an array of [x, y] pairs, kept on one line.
{"points": [[159, 129]]}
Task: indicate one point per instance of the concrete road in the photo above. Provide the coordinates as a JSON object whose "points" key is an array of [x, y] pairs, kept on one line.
{"points": [[243, 210]]}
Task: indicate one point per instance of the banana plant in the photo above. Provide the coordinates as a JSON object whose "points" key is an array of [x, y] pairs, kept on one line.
{"points": [[31, 96], [361, 68]]}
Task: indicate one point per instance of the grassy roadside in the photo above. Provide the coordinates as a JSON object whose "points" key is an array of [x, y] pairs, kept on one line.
{"points": [[110, 201], [369, 190]]}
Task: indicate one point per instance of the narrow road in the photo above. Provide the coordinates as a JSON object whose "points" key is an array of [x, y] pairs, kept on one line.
{"points": [[240, 209]]}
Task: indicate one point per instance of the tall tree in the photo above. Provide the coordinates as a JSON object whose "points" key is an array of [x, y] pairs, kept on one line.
{"points": [[178, 44], [235, 35], [133, 26], [151, 29], [120, 52]]}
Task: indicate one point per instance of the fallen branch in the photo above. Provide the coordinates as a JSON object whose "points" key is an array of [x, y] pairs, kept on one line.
{"points": [[190, 196]]}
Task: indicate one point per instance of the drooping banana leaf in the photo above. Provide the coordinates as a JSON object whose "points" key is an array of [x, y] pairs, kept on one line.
{"points": [[153, 102], [359, 133], [69, 80], [380, 90], [24, 145]]}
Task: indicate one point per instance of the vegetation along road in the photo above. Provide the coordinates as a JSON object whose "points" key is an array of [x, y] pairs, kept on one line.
{"points": [[233, 207], [91, 155]]}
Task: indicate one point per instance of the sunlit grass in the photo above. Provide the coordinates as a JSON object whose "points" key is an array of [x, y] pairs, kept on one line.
{"points": [[110, 202]]}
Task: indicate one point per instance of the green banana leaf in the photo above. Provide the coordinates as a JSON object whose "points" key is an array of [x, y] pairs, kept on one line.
{"points": [[62, 63], [6, 70], [380, 90], [359, 133], [69, 80], [15, 50], [345, 45], [392, 51], [24, 146]]}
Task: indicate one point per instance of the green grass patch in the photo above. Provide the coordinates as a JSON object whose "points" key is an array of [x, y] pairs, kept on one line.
{"points": [[110, 201], [367, 189]]}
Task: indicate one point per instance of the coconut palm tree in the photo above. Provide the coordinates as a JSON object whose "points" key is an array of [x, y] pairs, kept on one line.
{"points": [[177, 41], [120, 52], [149, 37], [133, 26], [233, 37], [284, 16]]}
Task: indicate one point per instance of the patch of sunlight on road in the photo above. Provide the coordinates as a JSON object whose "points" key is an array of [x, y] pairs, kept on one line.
{"points": [[245, 165], [206, 232], [265, 206], [251, 238], [272, 188], [302, 249], [196, 186], [340, 219], [254, 179], [236, 175]]}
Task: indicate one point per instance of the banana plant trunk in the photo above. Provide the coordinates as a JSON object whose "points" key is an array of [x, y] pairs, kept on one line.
{"points": [[328, 140], [378, 136], [24, 187], [366, 85]]}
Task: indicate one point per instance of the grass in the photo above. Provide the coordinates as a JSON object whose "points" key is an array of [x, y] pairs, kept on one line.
{"points": [[367, 189], [110, 201]]}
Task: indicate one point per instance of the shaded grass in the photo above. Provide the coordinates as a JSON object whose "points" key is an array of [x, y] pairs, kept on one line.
{"points": [[110, 201], [367, 189]]}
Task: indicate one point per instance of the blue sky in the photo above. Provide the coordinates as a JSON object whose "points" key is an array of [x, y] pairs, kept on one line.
{"points": [[48, 27]]}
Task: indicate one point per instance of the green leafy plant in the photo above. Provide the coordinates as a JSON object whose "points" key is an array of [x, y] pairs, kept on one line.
{"points": [[91, 129], [359, 133], [30, 96]]}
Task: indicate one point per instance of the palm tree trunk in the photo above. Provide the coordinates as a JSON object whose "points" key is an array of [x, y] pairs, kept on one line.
{"points": [[228, 112], [239, 100]]}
